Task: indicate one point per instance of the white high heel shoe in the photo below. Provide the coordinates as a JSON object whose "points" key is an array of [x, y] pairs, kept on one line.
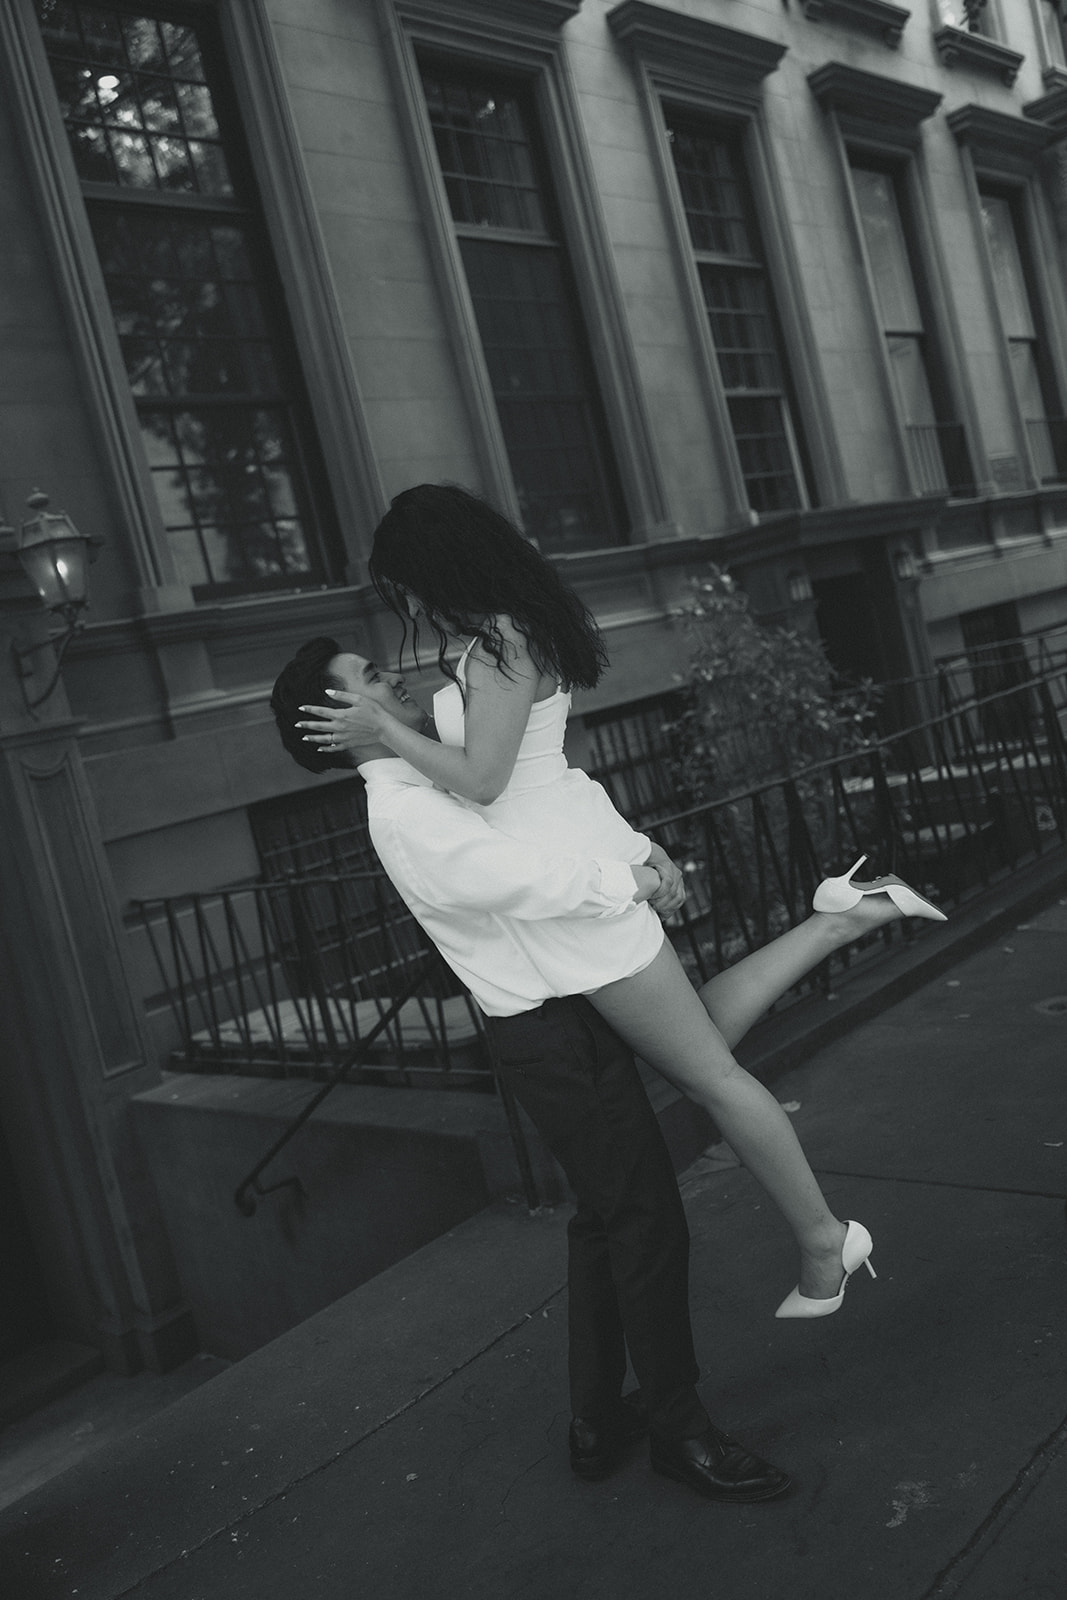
{"points": [[841, 894], [856, 1249]]}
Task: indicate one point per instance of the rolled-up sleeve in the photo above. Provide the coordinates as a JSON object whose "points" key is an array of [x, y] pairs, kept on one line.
{"points": [[452, 858]]}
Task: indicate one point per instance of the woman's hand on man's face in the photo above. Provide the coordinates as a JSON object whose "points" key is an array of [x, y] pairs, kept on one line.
{"points": [[354, 721]]}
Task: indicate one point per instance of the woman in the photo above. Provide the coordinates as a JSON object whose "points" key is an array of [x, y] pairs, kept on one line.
{"points": [[447, 558]]}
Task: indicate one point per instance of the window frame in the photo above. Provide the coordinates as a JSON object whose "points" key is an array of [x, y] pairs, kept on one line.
{"points": [[879, 120], [714, 75], [254, 98], [1048, 348], [1001, 152], [457, 70], [944, 396], [737, 133], [523, 45], [1053, 60]]}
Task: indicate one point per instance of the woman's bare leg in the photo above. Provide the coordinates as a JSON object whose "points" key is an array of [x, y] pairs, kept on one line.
{"points": [[660, 1016], [738, 996]]}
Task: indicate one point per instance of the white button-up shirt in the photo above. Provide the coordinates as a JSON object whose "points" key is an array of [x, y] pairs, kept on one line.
{"points": [[510, 919]]}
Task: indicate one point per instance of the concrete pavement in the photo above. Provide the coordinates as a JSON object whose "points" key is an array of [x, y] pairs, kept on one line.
{"points": [[411, 1439]]}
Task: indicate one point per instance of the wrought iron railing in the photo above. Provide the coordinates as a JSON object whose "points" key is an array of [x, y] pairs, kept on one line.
{"points": [[951, 804], [330, 977], [290, 978]]}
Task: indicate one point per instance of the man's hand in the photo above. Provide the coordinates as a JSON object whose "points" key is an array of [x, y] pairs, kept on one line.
{"points": [[670, 896]]}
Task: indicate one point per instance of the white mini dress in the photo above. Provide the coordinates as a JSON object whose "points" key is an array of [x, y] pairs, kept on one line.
{"points": [[560, 808]]}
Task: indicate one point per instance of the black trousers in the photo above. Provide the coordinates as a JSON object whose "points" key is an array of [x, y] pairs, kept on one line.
{"points": [[628, 1277]]}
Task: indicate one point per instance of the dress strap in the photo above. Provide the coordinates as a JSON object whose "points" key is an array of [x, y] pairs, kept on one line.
{"points": [[461, 664]]}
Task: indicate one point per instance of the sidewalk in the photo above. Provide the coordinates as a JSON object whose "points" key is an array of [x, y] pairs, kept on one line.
{"points": [[411, 1439]]}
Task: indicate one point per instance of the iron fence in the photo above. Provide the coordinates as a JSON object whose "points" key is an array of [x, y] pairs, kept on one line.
{"points": [[329, 976], [290, 978], [950, 804]]}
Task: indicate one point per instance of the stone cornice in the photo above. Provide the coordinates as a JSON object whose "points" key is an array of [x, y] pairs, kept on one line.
{"points": [[538, 16], [877, 15], [724, 58], [1051, 109], [997, 141], [868, 96], [957, 47]]}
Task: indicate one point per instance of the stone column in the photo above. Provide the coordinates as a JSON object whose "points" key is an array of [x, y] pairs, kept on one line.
{"points": [[72, 1030]]}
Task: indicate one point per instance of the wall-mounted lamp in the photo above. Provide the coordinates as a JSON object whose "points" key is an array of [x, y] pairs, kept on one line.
{"points": [[55, 557], [799, 588], [904, 563]]}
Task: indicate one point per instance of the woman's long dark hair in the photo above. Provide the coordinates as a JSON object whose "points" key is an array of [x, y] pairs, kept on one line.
{"points": [[467, 565]]}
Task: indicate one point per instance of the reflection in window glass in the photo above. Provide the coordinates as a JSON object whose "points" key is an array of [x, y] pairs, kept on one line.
{"points": [[203, 361]]}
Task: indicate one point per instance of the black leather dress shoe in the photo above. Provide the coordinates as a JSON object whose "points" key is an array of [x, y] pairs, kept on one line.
{"points": [[718, 1467], [598, 1444]]}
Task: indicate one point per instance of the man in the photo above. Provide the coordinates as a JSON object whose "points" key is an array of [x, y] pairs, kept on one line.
{"points": [[469, 885]]}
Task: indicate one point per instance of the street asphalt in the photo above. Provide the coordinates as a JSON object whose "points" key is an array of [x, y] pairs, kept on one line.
{"points": [[411, 1440]]}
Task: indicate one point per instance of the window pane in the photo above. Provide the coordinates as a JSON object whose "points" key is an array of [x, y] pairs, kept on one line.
{"points": [[766, 459], [183, 284], [1052, 28], [909, 375], [1024, 370], [710, 180], [227, 487], [141, 85], [742, 327], [196, 331], [532, 347], [484, 148], [1008, 279], [740, 311], [894, 285], [955, 14]]}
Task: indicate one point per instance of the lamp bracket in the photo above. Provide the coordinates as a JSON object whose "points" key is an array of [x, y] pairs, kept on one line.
{"points": [[23, 652]]}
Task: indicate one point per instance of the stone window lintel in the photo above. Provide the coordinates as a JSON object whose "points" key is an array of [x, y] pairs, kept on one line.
{"points": [[999, 141], [958, 47], [872, 98], [725, 58], [888, 20]]}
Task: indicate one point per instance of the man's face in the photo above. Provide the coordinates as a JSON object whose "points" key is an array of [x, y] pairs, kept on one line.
{"points": [[361, 676]]}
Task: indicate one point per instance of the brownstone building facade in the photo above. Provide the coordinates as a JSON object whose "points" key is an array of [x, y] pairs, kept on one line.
{"points": [[778, 285]]}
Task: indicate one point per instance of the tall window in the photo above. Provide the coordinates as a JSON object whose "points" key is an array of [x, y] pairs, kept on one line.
{"points": [[196, 311], [974, 16], [937, 448], [1050, 23], [510, 239], [737, 298], [1019, 309]]}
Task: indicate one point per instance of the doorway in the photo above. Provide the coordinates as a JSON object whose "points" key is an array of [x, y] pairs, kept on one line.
{"points": [[849, 627]]}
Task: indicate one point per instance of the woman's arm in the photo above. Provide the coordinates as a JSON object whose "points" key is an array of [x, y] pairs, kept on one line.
{"points": [[497, 711]]}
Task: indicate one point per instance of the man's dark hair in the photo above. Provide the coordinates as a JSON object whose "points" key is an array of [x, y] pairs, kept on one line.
{"points": [[303, 681]]}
